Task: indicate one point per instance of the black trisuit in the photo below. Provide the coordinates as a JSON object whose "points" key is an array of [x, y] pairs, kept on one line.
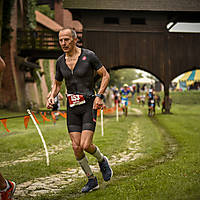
{"points": [[80, 81]]}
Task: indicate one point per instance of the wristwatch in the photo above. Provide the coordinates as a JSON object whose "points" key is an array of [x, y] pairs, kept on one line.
{"points": [[101, 96]]}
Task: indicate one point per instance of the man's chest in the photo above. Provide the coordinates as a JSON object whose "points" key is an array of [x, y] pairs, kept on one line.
{"points": [[71, 63], [79, 69]]}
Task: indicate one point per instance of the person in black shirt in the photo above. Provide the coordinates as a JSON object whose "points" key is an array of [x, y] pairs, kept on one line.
{"points": [[77, 67]]}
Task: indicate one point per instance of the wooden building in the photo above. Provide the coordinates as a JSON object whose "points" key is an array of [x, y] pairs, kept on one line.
{"points": [[134, 34]]}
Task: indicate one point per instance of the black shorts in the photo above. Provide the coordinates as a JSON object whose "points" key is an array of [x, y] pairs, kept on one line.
{"points": [[81, 117]]}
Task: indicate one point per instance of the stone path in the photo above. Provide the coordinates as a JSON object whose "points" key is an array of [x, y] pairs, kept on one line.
{"points": [[55, 183]]}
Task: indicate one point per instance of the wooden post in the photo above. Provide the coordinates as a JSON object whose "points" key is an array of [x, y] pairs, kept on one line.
{"points": [[167, 99]]}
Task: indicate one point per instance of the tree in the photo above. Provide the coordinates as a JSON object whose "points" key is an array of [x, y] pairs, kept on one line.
{"points": [[45, 9], [122, 76]]}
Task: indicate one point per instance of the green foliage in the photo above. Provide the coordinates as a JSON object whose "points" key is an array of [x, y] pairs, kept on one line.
{"points": [[30, 7], [47, 73], [120, 77], [45, 9]]}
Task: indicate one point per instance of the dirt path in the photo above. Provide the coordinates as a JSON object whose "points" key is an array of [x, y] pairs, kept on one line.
{"points": [[55, 183]]}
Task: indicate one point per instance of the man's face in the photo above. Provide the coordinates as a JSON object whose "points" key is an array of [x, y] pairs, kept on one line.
{"points": [[66, 41]]}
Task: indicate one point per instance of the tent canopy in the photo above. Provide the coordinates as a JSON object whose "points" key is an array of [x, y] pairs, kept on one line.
{"points": [[144, 80], [193, 76]]}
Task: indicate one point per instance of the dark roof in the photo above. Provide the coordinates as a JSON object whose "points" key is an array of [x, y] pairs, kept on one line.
{"points": [[135, 5]]}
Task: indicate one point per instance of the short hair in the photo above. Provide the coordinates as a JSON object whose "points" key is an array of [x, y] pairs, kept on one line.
{"points": [[73, 32]]}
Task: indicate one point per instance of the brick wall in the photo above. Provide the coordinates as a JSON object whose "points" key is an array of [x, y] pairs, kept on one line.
{"points": [[12, 91]]}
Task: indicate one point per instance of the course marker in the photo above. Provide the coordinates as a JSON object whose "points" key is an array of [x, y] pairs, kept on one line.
{"points": [[117, 112], [41, 136], [102, 133]]}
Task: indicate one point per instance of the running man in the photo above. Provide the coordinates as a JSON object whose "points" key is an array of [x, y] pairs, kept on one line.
{"points": [[116, 96], [7, 188], [124, 98], [77, 67], [151, 102]]}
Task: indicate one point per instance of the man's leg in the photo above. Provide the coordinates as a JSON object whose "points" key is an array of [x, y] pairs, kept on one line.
{"points": [[82, 160], [3, 183], [126, 108], [86, 145]]}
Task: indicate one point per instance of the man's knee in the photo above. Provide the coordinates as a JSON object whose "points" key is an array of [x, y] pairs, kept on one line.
{"points": [[77, 148], [85, 146]]}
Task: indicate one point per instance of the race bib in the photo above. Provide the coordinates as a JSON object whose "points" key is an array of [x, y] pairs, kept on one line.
{"points": [[75, 99]]}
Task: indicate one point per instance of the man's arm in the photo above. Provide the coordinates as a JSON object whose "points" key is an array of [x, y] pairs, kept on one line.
{"points": [[54, 92], [104, 83], [105, 79]]}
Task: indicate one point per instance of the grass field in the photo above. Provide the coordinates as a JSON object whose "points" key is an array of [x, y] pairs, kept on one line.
{"points": [[165, 155]]}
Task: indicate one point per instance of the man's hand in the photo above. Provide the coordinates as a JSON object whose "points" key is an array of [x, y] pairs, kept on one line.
{"points": [[98, 103], [50, 102]]}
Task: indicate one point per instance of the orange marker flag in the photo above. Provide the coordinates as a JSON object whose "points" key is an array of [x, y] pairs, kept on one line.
{"points": [[53, 117], [44, 117], [98, 113], [4, 123], [35, 118], [26, 120], [63, 114]]}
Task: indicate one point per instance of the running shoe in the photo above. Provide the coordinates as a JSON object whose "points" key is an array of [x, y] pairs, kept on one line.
{"points": [[91, 185], [8, 195], [105, 169]]}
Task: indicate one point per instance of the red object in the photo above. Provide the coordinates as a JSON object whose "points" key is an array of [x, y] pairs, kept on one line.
{"points": [[26, 120], [44, 117], [63, 114], [5, 125], [53, 117], [84, 58], [75, 99], [8, 194], [35, 118]]}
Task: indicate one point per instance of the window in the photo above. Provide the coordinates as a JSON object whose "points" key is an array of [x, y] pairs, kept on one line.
{"points": [[138, 21], [111, 20]]}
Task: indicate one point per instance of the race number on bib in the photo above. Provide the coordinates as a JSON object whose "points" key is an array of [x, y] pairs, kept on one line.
{"points": [[75, 99]]}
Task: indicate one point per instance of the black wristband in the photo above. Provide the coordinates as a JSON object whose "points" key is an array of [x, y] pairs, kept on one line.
{"points": [[101, 96]]}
